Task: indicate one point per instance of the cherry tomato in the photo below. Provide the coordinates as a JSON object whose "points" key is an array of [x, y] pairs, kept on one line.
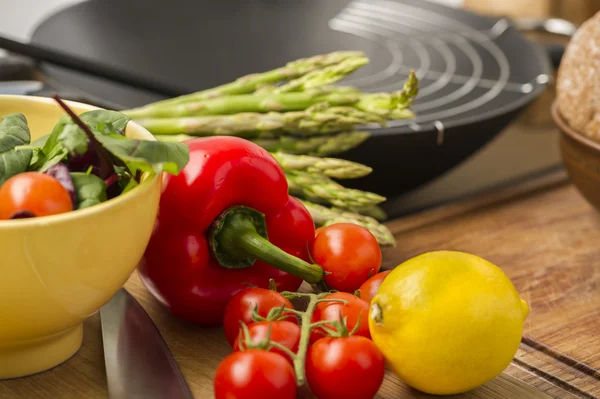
{"points": [[283, 332], [350, 253], [33, 193], [347, 367], [370, 287], [350, 310], [255, 374], [317, 231], [241, 305]]}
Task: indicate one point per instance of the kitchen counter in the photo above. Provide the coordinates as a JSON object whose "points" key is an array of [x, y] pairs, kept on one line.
{"points": [[540, 232]]}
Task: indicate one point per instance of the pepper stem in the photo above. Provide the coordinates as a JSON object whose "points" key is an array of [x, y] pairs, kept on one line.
{"points": [[239, 237]]}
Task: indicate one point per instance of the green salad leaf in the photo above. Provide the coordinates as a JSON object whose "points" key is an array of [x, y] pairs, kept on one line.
{"points": [[106, 122], [100, 160], [100, 122], [147, 156], [50, 151], [73, 139], [40, 141], [108, 129], [13, 133], [130, 184], [89, 189], [36, 146]]}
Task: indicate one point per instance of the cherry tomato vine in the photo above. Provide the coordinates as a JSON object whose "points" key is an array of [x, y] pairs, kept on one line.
{"points": [[329, 340]]}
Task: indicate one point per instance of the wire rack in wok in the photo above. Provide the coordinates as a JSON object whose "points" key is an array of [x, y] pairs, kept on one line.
{"points": [[466, 71]]}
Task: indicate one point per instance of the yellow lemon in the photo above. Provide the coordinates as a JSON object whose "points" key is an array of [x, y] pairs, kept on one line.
{"points": [[447, 321]]}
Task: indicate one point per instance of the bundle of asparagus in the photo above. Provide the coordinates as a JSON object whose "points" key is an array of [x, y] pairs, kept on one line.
{"points": [[295, 113]]}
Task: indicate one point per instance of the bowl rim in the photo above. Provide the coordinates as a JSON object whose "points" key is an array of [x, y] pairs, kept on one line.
{"points": [[569, 131], [138, 191]]}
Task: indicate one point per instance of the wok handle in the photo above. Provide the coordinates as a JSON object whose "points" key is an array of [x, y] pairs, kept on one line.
{"points": [[555, 26]]}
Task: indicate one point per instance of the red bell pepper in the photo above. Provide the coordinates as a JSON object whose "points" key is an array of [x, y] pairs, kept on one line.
{"points": [[226, 221]]}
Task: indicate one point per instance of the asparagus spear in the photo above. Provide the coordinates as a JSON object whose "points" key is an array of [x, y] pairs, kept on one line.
{"points": [[323, 89], [249, 83], [324, 216], [265, 102], [319, 118], [317, 187], [325, 76], [319, 146], [339, 143], [392, 105], [387, 105], [373, 211], [331, 167]]}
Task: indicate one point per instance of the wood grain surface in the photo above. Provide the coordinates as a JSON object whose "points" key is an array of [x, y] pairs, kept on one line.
{"points": [[197, 351], [543, 235]]}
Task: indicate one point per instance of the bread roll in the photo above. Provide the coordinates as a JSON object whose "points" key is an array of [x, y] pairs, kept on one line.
{"points": [[578, 80]]}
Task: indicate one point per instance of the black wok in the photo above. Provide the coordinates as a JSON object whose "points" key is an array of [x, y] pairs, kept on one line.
{"points": [[476, 73]]}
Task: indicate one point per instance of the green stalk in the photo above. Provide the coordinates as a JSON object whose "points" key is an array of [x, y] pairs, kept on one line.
{"points": [[319, 146], [386, 105], [300, 358], [239, 237], [261, 103], [317, 187], [324, 89], [373, 211], [317, 119], [325, 76], [392, 105], [250, 83], [331, 167], [305, 327]]}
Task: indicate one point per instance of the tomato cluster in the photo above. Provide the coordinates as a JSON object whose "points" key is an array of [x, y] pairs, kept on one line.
{"points": [[262, 364], [277, 347]]}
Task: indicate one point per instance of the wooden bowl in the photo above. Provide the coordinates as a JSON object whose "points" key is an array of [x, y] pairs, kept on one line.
{"points": [[581, 157]]}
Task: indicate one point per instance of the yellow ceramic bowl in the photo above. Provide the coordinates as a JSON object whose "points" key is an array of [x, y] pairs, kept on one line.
{"points": [[57, 270]]}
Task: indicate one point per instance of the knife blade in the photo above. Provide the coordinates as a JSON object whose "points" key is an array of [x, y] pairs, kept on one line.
{"points": [[138, 361]]}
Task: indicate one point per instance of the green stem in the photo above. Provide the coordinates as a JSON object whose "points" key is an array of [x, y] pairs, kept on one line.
{"points": [[320, 323], [262, 249], [306, 325], [254, 81], [295, 295], [243, 103], [282, 348], [293, 311], [239, 237], [265, 344]]}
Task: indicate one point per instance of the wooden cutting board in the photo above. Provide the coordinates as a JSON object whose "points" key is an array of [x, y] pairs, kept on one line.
{"points": [[542, 233]]}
